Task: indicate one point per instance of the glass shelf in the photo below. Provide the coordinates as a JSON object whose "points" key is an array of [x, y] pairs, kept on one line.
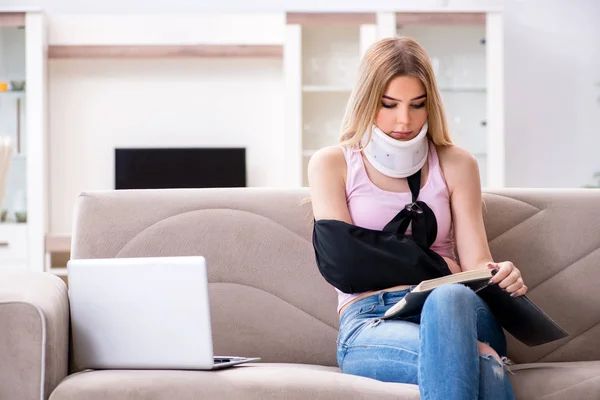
{"points": [[15, 191], [12, 92]]}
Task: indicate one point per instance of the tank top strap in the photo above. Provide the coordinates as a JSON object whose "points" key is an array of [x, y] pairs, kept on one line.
{"points": [[435, 170], [354, 165]]}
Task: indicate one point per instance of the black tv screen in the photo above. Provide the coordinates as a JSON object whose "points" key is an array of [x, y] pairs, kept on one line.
{"points": [[175, 168]]}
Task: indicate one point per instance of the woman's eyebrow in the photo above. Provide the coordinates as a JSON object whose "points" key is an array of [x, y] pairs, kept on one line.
{"points": [[416, 98]]}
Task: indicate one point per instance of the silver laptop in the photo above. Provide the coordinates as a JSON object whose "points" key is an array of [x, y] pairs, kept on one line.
{"points": [[142, 313]]}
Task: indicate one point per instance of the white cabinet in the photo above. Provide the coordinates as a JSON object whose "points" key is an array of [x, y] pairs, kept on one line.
{"points": [[13, 246], [330, 57], [12, 117], [466, 54], [23, 118], [466, 51], [329, 49]]}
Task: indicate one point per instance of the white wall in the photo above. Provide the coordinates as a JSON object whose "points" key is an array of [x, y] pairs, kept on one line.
{"points": [[552, 116], [552, 64], [158, 103]]}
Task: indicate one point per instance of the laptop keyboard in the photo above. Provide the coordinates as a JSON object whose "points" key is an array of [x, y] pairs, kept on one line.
{"points": [[220, 360]]}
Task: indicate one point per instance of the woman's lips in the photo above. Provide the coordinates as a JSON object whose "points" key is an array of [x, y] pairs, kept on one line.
{"points": [[401, 134]]}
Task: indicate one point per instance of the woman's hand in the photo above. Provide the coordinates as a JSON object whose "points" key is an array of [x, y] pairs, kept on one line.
{"points": [[508, 278]]}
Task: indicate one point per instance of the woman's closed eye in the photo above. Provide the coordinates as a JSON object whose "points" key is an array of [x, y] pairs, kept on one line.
{"points": [[393, 105]]}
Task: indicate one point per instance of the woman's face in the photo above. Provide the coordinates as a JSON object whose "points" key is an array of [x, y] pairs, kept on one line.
{"points": [[402, 112]]}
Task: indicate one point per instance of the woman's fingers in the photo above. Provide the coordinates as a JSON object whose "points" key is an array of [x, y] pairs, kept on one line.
{"points": [[515, 286], [509, 278], [504, 269], [520, 292], [513, 278]]}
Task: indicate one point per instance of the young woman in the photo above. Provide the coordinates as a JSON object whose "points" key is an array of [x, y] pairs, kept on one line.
{"points": [[455, 348]]}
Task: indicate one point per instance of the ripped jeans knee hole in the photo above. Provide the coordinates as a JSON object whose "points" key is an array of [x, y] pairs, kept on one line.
{"points": [[499, 366]]}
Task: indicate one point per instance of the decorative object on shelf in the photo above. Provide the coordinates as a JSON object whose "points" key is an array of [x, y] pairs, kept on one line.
{"points": [[5, 157], [3, 215], [3, 86], [21, 217], [17, 85], [596, 176]]}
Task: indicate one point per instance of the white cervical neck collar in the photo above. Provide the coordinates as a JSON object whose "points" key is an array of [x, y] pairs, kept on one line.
{"points": [[396, 158]]}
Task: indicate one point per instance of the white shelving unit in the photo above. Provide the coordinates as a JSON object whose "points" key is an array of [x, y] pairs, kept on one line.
{"points": [[12, 117], [327, 54], [466, 51], [23, 118], [458, 45]]}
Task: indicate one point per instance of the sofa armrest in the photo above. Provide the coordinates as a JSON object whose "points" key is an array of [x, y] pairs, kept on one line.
{"points": [[34, 334]]}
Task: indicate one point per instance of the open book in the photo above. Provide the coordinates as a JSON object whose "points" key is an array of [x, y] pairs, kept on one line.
{"points": [[518, 315]]}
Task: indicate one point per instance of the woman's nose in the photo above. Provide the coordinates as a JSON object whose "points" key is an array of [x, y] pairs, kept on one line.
{"points": [[403, 116]]}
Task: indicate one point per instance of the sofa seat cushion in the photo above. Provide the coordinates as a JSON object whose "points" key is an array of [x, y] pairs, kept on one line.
{"points": [[249, 381], [548, 381], [557, 381]]}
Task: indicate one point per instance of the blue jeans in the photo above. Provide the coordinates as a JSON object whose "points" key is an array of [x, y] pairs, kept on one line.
{"points": [[436, 349]]}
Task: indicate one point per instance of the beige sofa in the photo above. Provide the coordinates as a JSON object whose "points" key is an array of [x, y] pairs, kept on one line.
{"points": [[268, 299]]}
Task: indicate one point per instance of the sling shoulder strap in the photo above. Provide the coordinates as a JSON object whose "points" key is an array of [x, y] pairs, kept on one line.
{"points": [[424, 223]]}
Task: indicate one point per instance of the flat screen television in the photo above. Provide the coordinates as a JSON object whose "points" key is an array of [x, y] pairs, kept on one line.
{"points": [[174, 168]]}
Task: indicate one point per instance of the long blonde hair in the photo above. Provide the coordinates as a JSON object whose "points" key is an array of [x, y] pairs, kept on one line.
{"points": [[384, 61]]}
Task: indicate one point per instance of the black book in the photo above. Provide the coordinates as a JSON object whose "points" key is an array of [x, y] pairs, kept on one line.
{"points": [[518, 315]]}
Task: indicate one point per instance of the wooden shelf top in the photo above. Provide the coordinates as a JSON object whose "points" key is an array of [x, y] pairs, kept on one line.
{"points": [[440, 18], [327, 19], [12, 19], [58, 243], [164, 51]]}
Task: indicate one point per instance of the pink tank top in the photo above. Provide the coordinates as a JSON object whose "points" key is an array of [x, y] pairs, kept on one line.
{"points": [[372, 207]]}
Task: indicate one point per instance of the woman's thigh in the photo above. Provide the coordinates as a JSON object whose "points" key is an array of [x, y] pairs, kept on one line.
{"points": [[454, 304], [383, 350]]}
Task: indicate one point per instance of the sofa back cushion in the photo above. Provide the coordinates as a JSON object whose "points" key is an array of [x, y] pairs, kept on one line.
{"points": [[267, 296]]}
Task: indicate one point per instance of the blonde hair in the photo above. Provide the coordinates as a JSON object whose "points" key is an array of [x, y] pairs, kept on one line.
{"points": [[384, 61]]}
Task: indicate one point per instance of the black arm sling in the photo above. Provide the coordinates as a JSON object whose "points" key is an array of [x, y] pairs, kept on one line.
{"points": [[356, 260]]}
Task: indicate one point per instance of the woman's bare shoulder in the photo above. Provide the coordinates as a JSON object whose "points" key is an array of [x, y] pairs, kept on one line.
{"points": [[327, 161], [453, 154], [457, 164], [326, 178], [455, 159]]}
